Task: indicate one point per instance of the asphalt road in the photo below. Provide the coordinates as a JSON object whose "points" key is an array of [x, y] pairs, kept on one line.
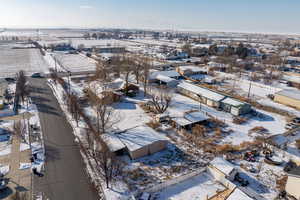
{"points": [[65, 176]]}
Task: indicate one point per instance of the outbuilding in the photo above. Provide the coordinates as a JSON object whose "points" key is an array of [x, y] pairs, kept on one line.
{"points": [[137, 142], [203, 95], [235, 107], [288, 97], [293, 182]]}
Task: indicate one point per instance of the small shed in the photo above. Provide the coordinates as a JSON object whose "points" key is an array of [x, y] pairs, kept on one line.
{"points": [[224, 168], [235, 107], [189, 120]]}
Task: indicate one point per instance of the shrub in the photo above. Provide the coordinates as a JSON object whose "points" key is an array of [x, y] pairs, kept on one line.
{"points": [[199, 130], [298, 144], [239, 120], [153, 124]]}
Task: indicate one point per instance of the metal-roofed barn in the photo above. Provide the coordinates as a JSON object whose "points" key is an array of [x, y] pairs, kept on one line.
{"points": [[288, 97]]}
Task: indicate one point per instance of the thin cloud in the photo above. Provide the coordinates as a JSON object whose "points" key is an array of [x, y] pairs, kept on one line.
{"points": [[85, 7]]}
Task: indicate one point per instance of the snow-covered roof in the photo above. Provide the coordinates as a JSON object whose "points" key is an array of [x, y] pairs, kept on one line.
{"points": [[192, 68], [232, 102], [222, 165], [182, 121], [196, 117], [139, 137], [294, 94], [164, 78], [201, 91], [295, 79], [171, 74], [113, 142], [238, 195]]}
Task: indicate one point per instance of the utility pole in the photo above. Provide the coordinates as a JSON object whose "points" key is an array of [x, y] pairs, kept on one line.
{"points": [[249, 89]]}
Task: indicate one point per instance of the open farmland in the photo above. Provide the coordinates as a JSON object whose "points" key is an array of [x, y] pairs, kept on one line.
{"points": [[14, 60]]}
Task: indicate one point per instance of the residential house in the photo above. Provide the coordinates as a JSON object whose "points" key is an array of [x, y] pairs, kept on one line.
{"points": [[190, 70]]}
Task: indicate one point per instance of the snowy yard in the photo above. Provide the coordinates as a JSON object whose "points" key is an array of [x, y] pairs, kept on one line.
{"points": [[197, 188], [273, 122]]}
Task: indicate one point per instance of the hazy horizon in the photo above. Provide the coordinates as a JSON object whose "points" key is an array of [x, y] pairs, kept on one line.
{"points": [[245, 16]]}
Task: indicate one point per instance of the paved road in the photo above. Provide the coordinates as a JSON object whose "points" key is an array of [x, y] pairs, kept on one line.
{"points": [[65, 177]]}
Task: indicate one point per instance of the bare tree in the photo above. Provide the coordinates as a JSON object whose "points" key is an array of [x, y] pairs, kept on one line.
{"points": [[74, 107], [109, 165], [160, 98], [145, 74], [7, 96], [104, 117], [126, 65], [19, 130], [22, 88]]}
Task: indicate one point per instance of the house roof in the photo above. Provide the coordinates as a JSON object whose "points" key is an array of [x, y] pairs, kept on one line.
{"points": [[222, 165], [182, 121], [237, 194], [171, 74], [165, 79], [196, 117], [192, 68], [295, 171], [201, 91], [139, 137], [233, 102], [294, 94], [113, 142]]}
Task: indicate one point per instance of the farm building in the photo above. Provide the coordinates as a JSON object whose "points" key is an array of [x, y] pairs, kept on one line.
{"points": [[288, 97], [235, 107], [201, 94], [137, 142], [189, 120], [109, 49], [293, 182], [190, 70], [165, 80]]}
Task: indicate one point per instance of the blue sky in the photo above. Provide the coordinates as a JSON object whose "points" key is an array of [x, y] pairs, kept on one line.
{"points": [[278, 16]]}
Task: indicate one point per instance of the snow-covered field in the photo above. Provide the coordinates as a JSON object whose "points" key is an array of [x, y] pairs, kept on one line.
{"points": [[75, 62], [14, 60]]}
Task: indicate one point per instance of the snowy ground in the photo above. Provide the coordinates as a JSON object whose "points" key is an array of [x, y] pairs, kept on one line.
{"points": [[273, 122], [75, 62], [197, 188], [14, 60]]}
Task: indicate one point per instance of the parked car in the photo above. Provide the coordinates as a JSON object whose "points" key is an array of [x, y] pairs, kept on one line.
{"points": [[291, 126], [37, 75], [10, 80], [296, 120], [3, 183], [242, 181]]}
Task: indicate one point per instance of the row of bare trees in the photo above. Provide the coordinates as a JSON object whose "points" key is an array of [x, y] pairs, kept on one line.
{"points": [[107, 164]]}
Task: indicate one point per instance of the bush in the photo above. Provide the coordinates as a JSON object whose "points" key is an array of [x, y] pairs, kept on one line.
{"points": [[199, 130], [153, 124], [298, 144], [258, 129], [239, 120]]}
